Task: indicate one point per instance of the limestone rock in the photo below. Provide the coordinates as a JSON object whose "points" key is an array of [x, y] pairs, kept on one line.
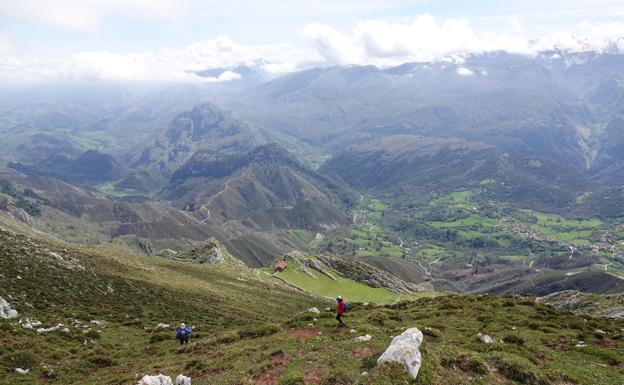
{"points": [[167, 253], [365, 338], [212, 252], [155, 380], [183, 380], [6, 311], [314, 310], [485, 338], [404, 349]]}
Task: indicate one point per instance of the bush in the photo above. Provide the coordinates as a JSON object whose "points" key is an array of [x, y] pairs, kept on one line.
{"points": [[431, 332], [472, 363], [390, 373], [24, 360], [92, 334], [337, 377], [157, 337], [292, 378], [518, 370], [101, 361], [513, 339]]}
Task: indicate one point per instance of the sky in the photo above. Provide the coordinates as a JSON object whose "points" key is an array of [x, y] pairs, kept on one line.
{"points": [[169, 40]]}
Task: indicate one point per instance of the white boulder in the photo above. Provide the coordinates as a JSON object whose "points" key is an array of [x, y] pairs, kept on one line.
{"points": [[163, 326], [6, 311], [183, 380], [485, 338], [50, 329], [160, 379], [363, 338], [22, 371], [29, 323], [314, 310], [404, 349]]}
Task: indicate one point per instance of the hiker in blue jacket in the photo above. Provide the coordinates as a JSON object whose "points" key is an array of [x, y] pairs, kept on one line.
{"points": [[183, 334]]}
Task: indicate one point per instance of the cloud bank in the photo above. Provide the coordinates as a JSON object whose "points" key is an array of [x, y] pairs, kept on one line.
{"points": [[425, 38], [176, 65], [375, 42]]}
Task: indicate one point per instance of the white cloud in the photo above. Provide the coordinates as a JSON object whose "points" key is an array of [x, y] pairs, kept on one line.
{"points": [[163, 65], [426, 38], [463, 71]]}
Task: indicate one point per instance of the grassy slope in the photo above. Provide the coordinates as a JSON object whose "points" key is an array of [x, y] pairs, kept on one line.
{"points": [[143, 292], [327, 287], [251, 329]]}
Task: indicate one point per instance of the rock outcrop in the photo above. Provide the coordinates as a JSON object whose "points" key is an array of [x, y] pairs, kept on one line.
{"points": [[405, 349], [167, 253], [6, 311], [212, 252], [306, 264], [606, 306], [369, 275], [183, 380]]}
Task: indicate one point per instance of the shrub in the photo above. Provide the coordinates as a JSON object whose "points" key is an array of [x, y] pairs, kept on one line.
{"points": [[157, 337], [292, 378], [519, 370], [24, 360], [472, 363], [101, 361], [431, 332], [513, 339], [92, 334], [337, 377]]}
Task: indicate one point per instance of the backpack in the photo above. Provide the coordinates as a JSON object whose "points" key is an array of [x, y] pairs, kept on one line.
{"points": [[346, 306]]}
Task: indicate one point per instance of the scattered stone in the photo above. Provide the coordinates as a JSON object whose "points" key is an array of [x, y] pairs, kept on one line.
{"points": [[183, 380], [22, 371], [485, 338], [29, 324], [314, 310], [97, 322], [50, 329], [167, 253], [363, 338], [580, 344], [352, 330], [600, 331], [66, 330], [155, 380], [163, 326], [364, 374], [6, 311], [404, 349]]}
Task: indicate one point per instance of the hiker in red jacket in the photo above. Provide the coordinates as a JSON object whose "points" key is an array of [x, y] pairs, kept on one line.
{"points": [[341, 308]]}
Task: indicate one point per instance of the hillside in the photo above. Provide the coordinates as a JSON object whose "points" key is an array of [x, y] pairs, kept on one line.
{"points": [[264, 188], [409, 165], [112, 320]]}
